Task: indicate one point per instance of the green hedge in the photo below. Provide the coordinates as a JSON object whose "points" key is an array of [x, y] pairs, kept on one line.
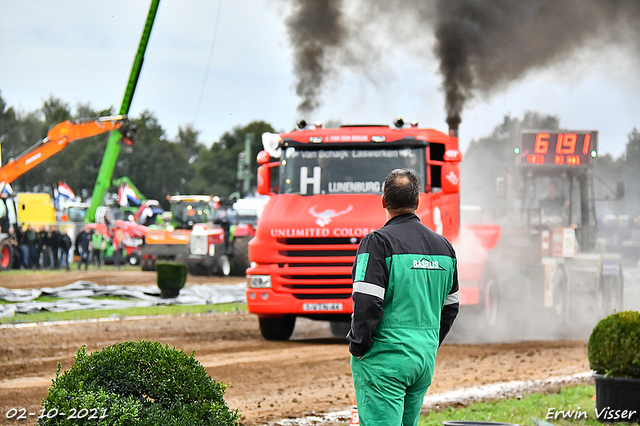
{"points": [[136, 383], [614, 345], [171, 278]]}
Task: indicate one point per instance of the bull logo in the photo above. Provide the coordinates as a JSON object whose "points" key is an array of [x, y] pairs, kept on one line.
{"points": [[323, 218], [453, 178]]}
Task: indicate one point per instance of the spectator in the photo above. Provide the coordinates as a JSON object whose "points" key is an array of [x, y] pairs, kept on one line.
{"points": [[118, 236], [223, 221], [96, 250], [28, 247], [55, 242], [42, 241], [65, 247], [84, 248]]}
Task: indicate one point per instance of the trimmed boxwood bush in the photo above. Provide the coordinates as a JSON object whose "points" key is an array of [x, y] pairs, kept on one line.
{"points": [[171, 278], [136, 383], [614, 345]]}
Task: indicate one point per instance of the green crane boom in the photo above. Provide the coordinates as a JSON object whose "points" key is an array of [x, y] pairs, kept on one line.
{"points": [[103, 182]]}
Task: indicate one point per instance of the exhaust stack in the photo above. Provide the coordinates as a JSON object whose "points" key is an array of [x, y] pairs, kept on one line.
{"points": [[453, 123]]}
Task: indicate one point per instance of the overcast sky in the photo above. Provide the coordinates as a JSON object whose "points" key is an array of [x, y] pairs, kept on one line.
{"points": [[82, 51]]}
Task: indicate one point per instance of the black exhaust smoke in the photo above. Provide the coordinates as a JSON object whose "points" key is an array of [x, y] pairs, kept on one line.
{"points": [[482, 46], [315, 30]]}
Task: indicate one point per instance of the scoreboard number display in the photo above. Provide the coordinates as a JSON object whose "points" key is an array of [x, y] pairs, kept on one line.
{"points": [[555, 148]]}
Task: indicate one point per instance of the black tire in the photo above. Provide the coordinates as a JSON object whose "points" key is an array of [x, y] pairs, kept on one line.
{"points": [[223, 266], [6, 255], [148, 264], [240, 262], [339, 329], [277, 329], [194, 269]]}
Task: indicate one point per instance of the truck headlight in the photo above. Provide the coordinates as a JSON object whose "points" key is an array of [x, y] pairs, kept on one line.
{"points": [[259, 281]]}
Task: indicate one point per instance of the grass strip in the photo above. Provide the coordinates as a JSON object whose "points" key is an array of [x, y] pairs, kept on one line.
{"points": [[570, 406]]}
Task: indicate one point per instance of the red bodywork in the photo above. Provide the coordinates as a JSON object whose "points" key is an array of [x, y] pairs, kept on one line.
{"points": [[134, 233], [307, 243], [472, 246]]}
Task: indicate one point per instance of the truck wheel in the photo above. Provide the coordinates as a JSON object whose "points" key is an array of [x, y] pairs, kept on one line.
{"points": [[193, 269], [490, 301], [6, 255], [224, 266], [277, 328], [148, 264], [240, 256], [339, 329], [145, 265]]}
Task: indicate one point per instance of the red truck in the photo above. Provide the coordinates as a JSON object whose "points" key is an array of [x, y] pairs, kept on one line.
{"points": [[325, 190]]}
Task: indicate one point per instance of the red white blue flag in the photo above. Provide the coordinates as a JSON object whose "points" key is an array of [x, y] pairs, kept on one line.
{"points": [[126, 194], [122, 198], [5, 189], [65, 192]]}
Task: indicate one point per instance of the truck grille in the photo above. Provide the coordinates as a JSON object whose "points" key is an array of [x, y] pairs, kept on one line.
{"points": [[317, 268], [317, 253], [306, 296]]}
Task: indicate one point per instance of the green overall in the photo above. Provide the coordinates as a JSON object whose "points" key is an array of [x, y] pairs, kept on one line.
{"points": [[405, 284]]}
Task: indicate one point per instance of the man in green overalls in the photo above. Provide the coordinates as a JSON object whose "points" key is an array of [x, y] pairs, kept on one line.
{"points": [[405, 299]]}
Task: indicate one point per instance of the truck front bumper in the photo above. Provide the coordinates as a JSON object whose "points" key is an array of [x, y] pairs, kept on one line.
{"points": [[266, 302]]}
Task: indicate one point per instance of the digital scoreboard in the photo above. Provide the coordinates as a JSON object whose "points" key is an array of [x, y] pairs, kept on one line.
{"points": [[555, 148]]}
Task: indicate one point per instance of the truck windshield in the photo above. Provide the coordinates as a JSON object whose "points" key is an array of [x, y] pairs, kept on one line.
{"points": [[345, 171]]}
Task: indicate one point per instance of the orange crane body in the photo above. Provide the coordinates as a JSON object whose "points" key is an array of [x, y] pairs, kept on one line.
{"points": [[59, 137]]}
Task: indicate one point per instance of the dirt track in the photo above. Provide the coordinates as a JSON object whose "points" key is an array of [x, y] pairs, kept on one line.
{"points": [[269, 380]]}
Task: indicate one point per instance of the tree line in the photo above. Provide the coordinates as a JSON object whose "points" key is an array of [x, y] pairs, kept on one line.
{"points": [[158, 165]]}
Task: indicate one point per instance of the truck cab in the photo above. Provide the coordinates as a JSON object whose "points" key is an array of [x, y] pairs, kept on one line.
{"points": [[325, 189]]}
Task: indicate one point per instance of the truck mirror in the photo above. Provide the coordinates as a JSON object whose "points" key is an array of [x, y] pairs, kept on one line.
{"points": [[501, 187], [264, 178], [263, 157], [620, 190]]}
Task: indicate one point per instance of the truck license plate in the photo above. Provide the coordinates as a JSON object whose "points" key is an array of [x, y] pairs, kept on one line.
{"points": [[322, 307]]}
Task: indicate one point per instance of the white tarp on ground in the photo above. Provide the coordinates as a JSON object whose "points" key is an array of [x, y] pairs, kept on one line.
{"points": [[78, 295]]}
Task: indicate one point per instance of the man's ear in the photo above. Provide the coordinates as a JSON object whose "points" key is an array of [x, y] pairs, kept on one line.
{"points": [[417, 203], [384, 203]]}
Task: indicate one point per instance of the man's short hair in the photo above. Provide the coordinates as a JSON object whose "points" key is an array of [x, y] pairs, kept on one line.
{"points": [[401, 190]]}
